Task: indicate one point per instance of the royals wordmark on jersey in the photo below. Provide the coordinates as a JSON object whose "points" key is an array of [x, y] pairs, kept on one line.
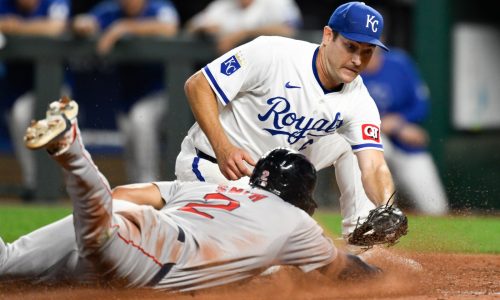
{"points": [[292, 110]]}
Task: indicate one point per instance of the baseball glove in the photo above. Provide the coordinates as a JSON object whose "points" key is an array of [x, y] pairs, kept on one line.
{"points": [[384, 225]]}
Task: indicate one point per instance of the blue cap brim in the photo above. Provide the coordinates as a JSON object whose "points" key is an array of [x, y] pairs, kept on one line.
{"points": [[361, 38]]}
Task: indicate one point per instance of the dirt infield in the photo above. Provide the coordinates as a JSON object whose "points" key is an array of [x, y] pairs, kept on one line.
{"points": [[407, 276]]}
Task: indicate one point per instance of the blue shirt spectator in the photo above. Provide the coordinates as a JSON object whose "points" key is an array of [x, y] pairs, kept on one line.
{"points": [[409, 98], [17, 18], [141, 103], [402, 97], [136, 79], [26, 17]]}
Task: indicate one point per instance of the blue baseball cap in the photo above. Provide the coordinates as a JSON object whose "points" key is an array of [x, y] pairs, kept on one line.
{"points": [[358, 22]]}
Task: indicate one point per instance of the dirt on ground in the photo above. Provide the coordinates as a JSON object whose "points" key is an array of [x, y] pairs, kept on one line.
{"points": [[407, 275]]}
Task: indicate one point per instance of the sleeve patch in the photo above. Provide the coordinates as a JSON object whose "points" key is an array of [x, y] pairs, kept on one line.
{"points": [[370, 132], [230, 65]]}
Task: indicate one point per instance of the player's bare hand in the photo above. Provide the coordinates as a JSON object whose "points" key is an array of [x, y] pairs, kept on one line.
{"points": [[110, 37], [392, 123], [84, 25], [10, 24], [232, 163], [413, 135]]}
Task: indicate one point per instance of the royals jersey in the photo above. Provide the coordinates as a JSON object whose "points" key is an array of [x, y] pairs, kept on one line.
{"points": [[270, 96], [234, 233]]}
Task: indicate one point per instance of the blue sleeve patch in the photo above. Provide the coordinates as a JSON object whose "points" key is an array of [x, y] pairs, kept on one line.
{"points": [[230, 65]]}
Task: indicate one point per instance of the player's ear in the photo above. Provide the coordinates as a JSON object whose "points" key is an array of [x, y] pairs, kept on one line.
{"points": [[327, 35]]}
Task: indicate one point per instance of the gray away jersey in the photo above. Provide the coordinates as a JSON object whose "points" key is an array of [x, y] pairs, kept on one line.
{"points": [[233, 233]]}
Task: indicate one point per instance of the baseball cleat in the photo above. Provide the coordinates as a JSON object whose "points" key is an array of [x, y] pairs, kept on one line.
{"points": [[64, 106], [40, 133], [57, 131]]}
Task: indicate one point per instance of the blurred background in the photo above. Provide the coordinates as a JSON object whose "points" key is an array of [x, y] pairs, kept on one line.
{"points": [[454, 45]]}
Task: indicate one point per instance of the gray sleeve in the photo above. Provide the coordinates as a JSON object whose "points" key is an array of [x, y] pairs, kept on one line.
{"points": [[308, 248], [167, 190]]}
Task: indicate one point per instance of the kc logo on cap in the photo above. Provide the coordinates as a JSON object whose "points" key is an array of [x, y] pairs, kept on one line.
{"points": [[372, 22], [358, 22]]}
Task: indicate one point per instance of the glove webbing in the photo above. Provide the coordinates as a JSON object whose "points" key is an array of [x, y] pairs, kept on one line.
{"points": [[386, 206]]}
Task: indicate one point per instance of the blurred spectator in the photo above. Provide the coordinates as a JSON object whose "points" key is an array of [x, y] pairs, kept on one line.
{"points": [[402, 99], [233, 22], [26, 17], [141, 90]]}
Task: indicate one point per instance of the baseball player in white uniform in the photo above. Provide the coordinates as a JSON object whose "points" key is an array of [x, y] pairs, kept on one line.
{"points": [[233, 22], [203, 235], [281, 92]]}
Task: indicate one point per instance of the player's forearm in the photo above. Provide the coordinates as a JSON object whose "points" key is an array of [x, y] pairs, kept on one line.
{"points": [[376, 176], [39, 27], [148, 28], [139, 193], [378, 185], [203, 104], [85, 25]]}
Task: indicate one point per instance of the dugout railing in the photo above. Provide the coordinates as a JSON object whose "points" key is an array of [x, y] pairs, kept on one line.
{"points": [[466, 160], [179, 55]]}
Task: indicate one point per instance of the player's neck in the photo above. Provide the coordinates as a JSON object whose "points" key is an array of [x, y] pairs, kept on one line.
{"points": [[327, 82]]}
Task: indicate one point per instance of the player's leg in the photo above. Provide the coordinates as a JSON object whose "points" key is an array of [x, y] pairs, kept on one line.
{"points": [[145, 119], [46, 254], [135, 244], [49, 253], [20, 117], [418, 176]]}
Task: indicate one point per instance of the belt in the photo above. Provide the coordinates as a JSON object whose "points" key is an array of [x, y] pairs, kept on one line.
{"points": [[205, 156]]}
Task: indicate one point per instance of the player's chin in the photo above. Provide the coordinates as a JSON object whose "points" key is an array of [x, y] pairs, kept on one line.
{"points": [[348, 75]]}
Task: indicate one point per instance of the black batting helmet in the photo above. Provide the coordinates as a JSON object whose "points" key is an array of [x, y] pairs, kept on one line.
{"points": [[288, 174]]}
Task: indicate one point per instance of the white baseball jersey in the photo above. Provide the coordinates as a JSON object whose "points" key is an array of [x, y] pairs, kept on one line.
{"points": [[271, 96], [233, 233], [229, 16]]}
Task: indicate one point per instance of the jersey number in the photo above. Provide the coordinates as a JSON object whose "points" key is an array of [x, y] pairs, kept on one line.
{"points": [[231, 205]]}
